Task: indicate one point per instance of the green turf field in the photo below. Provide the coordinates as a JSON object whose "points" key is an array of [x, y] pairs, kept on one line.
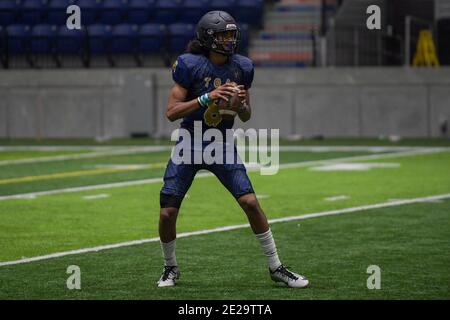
{"points": [[410, 242]]}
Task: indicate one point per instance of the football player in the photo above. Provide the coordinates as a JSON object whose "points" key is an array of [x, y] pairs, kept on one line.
{"points": [[209, 71]]}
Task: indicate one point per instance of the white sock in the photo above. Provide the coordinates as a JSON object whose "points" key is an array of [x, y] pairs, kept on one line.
{"points": [[269, 249], [169, 253]]}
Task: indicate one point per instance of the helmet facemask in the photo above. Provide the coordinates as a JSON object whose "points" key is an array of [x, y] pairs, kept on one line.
{"points": [[225, 42]]}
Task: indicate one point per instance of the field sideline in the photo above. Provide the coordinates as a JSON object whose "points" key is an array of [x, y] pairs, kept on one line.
{"points": [[106, 196]]}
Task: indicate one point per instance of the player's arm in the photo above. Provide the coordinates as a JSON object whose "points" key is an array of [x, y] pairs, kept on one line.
{"points": [[244, 111], [178, 107]]}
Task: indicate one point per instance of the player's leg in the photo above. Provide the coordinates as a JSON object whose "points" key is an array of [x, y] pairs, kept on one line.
{"points": [[260, 226], [167, 234], [255, 215], [235, 179], [169, 207], [177, 180]]}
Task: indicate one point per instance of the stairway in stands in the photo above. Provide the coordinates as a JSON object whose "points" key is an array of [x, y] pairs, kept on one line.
{"points": [[287, 36]]}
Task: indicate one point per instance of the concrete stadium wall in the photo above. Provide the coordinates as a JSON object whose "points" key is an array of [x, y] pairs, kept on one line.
{"points": [[332, 102], [76, 103]]}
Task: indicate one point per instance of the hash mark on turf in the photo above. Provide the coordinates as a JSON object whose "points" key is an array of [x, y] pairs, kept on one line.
{"points": [[97, 196], [337, 198]]}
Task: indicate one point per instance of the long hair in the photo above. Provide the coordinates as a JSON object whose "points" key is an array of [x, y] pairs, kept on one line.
{"points": [[195, 47]]}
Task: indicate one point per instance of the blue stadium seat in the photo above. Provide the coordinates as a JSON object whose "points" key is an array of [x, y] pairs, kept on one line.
{"points": [[124, 39], [244, 42], [32, 11], [99, 36], [18, 38], [70, 41], [2, 41], [167, 11], [89, 11], [113, 11], [43, 39], [57, 11], [180, 35], [8, 12], [141, 11], [193, 10], [224, 5], [152, 38], [250, 12]]}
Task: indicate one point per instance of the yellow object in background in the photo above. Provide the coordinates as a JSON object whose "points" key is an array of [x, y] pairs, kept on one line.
{"points": [[426, 51]]}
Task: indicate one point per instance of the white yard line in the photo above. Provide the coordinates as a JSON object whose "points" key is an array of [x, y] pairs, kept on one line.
{"points": [[94, 187], [106, 151], [431, 201], [121, 151], [282, 147], [55, 148], [202, 175], [228, 228], [321, 149], [80, 148]]}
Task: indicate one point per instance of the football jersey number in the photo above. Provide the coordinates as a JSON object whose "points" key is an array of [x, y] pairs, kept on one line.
{"points": [[212, 116]]}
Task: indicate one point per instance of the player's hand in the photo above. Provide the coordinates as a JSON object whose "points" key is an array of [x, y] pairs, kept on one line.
{"points": [[223, 92], [242, 92]]}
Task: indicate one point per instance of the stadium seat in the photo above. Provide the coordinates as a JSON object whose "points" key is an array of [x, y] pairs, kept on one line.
{"points": [[167, 11], [43, 39], [113, 11], [70, 41], [99, 36], [141, 11], [224, 5], [152, 38], [244, 41], [180, 34], [57, 11], [250, 12], [2, 41], [8, 12], [124, 39], [193, 10], [89, 11], [18, 38], [32, 11]]}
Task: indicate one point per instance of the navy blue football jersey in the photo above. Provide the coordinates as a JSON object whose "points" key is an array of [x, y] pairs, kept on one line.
{"points": [[199, 75]]}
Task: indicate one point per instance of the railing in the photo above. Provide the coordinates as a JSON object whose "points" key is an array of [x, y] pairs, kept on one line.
{"points": [[358, 46]]}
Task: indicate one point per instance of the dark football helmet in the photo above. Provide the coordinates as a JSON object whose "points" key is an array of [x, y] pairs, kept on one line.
{"points": [[218, 32]]}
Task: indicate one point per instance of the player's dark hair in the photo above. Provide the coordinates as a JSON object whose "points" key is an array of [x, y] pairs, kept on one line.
{"points": [[195, 47]]}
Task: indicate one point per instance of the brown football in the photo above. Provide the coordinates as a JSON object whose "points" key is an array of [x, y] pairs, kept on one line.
{"points": [[228, 109]]}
